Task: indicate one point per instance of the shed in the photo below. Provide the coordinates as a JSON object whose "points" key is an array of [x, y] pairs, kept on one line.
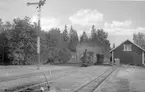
{"points": [[128, 53], [92, 50]]}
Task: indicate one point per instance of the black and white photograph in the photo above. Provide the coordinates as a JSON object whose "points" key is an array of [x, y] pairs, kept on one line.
{"points": [[72, 45]]}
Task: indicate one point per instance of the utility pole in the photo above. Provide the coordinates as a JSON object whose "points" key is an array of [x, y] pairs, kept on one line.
{"points": [[39, 5]]}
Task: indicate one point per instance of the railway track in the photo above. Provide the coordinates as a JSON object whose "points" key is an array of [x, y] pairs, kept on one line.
{"points": [[102, 85], [94, 83], [86, 87]]}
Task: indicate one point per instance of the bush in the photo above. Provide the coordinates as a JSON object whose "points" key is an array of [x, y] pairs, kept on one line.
{"points": [[58, 56], [64, 55]]}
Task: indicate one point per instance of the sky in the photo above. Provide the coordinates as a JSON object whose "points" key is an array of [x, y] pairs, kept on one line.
{"points": [[119, 18]]}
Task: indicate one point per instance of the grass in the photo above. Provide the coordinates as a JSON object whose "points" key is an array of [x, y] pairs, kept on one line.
{"points": [[73, 80]]}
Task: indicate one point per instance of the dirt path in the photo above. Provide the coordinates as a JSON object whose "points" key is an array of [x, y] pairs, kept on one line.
{"points": [[131, 79]]}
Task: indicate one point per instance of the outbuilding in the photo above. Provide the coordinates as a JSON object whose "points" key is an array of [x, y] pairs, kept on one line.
{"points": [[128, 53]]}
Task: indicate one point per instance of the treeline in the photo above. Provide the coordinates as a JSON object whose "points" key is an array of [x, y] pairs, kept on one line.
{"points": [[98, 38], [18, 42], [139, 39]]}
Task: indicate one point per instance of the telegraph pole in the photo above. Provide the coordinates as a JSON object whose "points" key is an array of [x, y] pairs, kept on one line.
{"points": [[39, 5]]}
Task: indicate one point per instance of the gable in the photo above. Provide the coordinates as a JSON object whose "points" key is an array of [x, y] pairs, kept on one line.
{"points": [[128, 42], [128, 47]]}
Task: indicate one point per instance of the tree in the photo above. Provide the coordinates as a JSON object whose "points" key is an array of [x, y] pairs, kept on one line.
{"points": [[102, 36], [18, 42], [22, 42], [99, 37], [3, 42], [84, 37], [65, 34], [73, 42], [93, 34], [1, 26], [139, 39], [4, 47], [55, 48], [8, 25]]}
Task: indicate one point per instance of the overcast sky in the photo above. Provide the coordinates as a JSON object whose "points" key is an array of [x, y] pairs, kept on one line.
{"points": [[119, 18]]}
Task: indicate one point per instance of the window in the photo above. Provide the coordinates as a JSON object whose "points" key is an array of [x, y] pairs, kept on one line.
{"points": [[127, 47]]}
